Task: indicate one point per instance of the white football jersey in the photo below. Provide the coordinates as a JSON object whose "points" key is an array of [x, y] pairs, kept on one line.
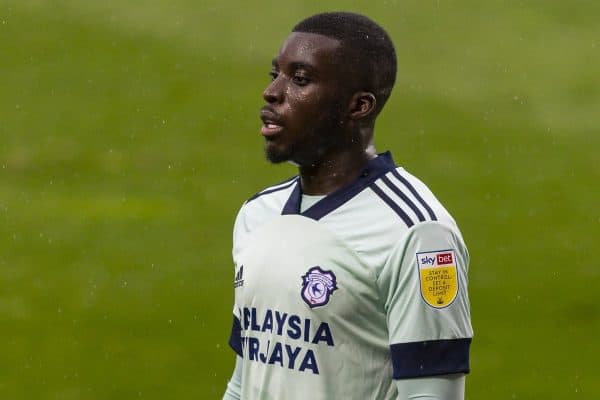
{"points": [[367, 285]]}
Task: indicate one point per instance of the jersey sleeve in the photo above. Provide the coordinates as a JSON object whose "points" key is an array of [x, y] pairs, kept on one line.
{"points": [[239, 229], [235, 337], [424, 289]]}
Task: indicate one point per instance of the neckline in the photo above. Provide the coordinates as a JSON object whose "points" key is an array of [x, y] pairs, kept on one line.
{"points": [[374, 169]]}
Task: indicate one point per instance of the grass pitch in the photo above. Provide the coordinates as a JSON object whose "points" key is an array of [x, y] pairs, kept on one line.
{"points": [[129, 138]]}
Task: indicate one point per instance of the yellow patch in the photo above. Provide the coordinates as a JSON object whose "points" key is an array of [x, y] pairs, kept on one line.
{"points": [[438, 274]]}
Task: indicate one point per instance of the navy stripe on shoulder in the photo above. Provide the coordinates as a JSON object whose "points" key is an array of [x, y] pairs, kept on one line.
{"points": [[280, 186], [404, 198], [392, 204], [430, 358], [235, 339], [415, 193]]}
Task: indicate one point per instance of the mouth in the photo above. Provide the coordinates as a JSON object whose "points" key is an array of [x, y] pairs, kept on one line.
{"points": [[269, 129], [271, 123]]}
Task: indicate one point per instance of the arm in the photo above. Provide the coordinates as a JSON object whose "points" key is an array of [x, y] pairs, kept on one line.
{"points": [[234, 386], [424, 284], [443, 387], [233, 391]]}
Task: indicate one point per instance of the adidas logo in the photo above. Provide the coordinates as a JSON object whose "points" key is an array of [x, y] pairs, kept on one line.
{"points": [[239, 278]]}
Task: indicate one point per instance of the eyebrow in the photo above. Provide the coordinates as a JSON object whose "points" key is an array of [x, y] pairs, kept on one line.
{"points": [[294, 64], [300, 65]]}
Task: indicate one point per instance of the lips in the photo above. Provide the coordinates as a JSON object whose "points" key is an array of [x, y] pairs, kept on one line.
{"points": [[270, 130], [271, 123]]}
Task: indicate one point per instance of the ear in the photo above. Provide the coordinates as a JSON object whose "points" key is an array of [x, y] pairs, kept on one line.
{"points": [[362, 105]]}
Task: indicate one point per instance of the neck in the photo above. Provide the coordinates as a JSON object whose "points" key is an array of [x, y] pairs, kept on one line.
{"points": [[334, 171]]}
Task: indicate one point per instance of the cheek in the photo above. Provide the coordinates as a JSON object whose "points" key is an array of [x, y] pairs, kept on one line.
{"points": [[310, 108]]}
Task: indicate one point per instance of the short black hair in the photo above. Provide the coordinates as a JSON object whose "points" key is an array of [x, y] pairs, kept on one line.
{"points": [[368, 44]]}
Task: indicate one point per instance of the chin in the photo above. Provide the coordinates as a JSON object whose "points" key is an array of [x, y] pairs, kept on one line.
{"points": [[291, 154], [275, 158]]}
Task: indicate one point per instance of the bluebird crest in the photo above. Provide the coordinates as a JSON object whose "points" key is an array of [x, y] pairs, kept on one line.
{"points": [[317, 286]]}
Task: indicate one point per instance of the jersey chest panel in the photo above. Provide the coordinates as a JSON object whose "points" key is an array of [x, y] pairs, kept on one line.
{"points": [[309, 307]]}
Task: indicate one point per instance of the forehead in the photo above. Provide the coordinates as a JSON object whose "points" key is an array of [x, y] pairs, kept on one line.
{"points": [[312, 49]]}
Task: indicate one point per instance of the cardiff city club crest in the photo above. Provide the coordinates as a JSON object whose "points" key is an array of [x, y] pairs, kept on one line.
{"points": [[317, 286]]}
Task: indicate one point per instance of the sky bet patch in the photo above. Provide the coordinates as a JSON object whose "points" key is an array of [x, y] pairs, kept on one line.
{"points": [[437, 272]]}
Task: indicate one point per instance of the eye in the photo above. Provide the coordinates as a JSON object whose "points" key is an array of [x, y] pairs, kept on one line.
{"points": [[273, 74], [301, 80]]}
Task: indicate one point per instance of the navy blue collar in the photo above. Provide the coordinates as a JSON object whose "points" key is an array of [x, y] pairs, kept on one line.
{"points": [[375, 168]]}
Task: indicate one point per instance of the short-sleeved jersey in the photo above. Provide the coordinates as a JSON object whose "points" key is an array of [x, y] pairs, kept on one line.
{"points": [[367, 285]]}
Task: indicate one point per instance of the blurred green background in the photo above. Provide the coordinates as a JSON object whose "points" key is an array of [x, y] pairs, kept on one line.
{"points": [[129, 138]]}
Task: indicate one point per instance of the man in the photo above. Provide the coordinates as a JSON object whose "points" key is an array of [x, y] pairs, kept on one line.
{"points": [[350, 279]]}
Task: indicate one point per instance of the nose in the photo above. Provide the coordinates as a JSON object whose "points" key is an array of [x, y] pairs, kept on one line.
{"points": [[273, 93]]}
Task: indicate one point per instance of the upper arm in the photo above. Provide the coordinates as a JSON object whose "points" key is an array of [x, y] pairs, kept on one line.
{"points": [[239, 230], [424, 285]]}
